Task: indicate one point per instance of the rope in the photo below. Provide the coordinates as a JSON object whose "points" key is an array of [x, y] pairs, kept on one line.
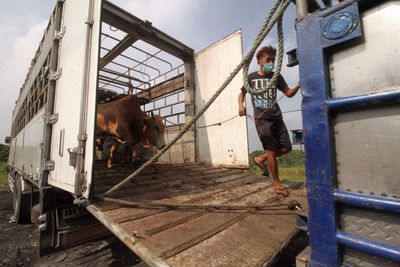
{"points": [[186, 206], [260, 91], [264, 31], [216, 124]]}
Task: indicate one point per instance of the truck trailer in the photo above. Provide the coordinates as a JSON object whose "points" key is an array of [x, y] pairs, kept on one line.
{"points": [[196, 206]]}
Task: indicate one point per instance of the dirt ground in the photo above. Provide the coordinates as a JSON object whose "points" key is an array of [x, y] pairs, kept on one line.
{"points": [[19, 246]]}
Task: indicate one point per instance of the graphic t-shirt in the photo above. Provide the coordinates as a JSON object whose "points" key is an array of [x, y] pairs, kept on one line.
{"points": [[264, 104]]}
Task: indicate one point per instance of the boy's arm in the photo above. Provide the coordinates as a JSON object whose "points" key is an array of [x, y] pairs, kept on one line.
{"points": [[291, 92], [242, 109]]}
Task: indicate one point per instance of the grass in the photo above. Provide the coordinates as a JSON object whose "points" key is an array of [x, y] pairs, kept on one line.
{"points": [[291, 166], [3, 177]]}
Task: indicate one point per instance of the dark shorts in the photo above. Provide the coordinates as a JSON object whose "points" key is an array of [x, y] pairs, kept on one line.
{"points": [[273, 134]]}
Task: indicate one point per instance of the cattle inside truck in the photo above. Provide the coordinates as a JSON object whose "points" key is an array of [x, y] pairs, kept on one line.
{"points": [[196, 206]]}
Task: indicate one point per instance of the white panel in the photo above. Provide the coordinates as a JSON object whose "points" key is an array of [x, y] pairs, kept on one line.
{"points": [[367, 147], [32, 150], [27, 149], [69, 90], [226, 144], [177, 153], [373, 64]]}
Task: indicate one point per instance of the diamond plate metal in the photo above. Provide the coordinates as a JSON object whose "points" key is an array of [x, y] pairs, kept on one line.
{"points": [[376, 225], [353, 257]]}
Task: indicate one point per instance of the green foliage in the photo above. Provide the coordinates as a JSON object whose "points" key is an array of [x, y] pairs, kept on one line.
{"points": [[291, 166], [3, 176], [3, 167], [4, 152]]}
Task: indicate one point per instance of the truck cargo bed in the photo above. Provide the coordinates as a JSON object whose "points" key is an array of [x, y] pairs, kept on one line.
{"points": [[203, 236]]}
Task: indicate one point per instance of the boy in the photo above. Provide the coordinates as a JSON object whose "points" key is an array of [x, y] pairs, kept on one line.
{"points": [[268, 117]]}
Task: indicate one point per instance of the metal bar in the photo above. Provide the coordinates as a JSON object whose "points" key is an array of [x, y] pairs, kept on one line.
{"points": [[123, 75], [154, 79], [108, 84], [122, 55], [368, 246], [337, 7], [363, 101], [118, 64], [166, 106], [117, 50], [368, 201], [110, 80], [301, 6], [318, 143], [80, 176], [128, 23], [53, 65], [151, 55], [129, 240]]}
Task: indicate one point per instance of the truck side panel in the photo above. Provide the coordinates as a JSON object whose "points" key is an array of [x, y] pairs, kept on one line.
{"points": [[29, 150], [69, 93], [227, 143]]}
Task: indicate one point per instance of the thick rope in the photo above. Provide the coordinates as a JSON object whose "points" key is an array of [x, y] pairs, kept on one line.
{"points": [[268, 26], [271, 83], [134, 204]]}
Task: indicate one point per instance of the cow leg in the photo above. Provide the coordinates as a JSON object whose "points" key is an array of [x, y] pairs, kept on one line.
{"points": [[114, 147], [99, 147], [135, 155], [126, 154]]}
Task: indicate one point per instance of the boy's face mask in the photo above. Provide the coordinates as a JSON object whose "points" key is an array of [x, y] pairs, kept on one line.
{"points": [[268, 67]]}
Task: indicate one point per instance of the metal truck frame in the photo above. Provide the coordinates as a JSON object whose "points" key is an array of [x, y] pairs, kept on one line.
{"points": [[348, 55], [52, 149]]}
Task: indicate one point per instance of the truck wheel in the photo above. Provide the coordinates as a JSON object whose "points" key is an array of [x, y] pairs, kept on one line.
{"points": [[22, 203], [35, 212]]}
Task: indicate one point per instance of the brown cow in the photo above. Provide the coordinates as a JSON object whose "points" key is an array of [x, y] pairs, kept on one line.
{"points": [[124, 120]]}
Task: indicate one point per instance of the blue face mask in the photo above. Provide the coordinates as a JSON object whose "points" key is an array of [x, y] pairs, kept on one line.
{"points": [[268, 68]]}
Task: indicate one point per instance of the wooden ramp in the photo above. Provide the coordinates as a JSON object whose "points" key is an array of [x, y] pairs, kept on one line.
{"points": [[204, 236]]}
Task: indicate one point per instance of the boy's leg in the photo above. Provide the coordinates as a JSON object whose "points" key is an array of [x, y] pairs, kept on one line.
{"points": [[273, 167], [259, 161], [282, 138]]}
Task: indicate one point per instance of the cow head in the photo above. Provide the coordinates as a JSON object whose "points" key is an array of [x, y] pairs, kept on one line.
{"points": [[153, 131]]}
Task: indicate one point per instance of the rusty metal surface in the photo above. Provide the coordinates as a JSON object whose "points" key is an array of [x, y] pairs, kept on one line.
{"points": [[204, 237]]}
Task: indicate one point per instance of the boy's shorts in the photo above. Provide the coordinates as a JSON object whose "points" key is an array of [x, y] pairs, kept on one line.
{"points": [[273, 134]]}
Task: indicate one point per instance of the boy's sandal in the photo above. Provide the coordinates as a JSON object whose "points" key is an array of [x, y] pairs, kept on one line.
{"points": [[280, 191]]}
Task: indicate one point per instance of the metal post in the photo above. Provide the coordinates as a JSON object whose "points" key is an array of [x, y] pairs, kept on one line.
{"points": [[301, 6], [51, 96], [82, 136]]}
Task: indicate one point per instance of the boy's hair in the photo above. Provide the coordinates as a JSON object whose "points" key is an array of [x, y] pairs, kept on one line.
{"points": [[266, 50]]}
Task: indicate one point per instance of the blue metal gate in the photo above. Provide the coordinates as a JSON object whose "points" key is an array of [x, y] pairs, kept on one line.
{"points": [[349, 58]]}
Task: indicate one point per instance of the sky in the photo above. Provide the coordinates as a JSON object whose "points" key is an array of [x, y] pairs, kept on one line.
{"points": [[196, 23]]}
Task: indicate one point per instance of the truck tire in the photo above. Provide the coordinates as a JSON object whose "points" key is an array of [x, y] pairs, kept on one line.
{"points": [[21, 203], [35, 212]]}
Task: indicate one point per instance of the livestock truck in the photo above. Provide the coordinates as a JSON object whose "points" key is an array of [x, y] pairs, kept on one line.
{"points": [[196, 205]]}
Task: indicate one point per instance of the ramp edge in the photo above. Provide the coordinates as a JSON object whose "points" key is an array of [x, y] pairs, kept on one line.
{"points": [[129, 240]]}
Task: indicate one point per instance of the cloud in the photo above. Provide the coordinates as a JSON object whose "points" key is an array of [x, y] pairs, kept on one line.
{"points": [[165, 15], [13, 70]]}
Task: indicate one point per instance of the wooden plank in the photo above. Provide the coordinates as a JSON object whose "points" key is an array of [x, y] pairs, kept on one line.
{"points": [[246, 243], [178, 221], [122, 215], [175, 250], [185, 235], [179, 183]]}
